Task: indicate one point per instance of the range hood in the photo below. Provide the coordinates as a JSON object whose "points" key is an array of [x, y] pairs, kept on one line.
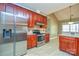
{"points": [[39, 23]]}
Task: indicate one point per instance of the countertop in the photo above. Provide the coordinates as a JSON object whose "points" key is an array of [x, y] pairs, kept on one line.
{"points": [[70, 35]]}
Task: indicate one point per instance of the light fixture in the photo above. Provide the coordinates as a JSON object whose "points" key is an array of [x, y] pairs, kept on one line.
{"points": [[70, 22]]}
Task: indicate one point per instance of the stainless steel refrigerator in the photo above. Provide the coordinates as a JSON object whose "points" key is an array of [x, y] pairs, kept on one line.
{"points": [[13, 33]]}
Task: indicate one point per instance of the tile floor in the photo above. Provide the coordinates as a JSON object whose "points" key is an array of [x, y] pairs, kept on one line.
{"points": [[49, 49]]}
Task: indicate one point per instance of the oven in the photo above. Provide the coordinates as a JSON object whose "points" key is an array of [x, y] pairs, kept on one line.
{"points": [[40, 38]]}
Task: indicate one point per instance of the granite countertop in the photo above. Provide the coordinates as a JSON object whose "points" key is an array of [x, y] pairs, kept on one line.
{"points": [[71, 35]]}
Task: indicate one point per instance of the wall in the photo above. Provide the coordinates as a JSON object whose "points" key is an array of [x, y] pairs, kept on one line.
{"points": [[64, 15], [52, 25], [56, 19]]}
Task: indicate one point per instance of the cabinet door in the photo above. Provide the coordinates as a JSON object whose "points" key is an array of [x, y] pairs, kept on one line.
{"points": [[9, 8], [47, 38], [66, 44], [2, 7], [31, 41], [26, 15], [31, 21], [38, 18], [45, 22], [15, 10], [72, 46], [41, 18], [77, 46], [19, 11], [34, 41], [62, 43]]}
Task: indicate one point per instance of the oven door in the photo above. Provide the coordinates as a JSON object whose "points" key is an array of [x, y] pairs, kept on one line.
{"points": [[40, 38]]}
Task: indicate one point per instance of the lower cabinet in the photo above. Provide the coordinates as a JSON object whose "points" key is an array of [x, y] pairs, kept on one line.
{"points": [[69, 44], [31, 41], [46, 37], [62, 43]]}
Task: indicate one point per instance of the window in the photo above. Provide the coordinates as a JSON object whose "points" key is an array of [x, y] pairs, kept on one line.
{"points": [[65, 28], [77, 27], [71, 28]]}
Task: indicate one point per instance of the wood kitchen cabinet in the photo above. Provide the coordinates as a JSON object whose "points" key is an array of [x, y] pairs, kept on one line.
{"points": [[38, 18], [42, 19], [31, 41], [19, 11], [26, 14], [31, 17], [46, 38], [72, 45], [15, 10], [9, 8], [31, 21], [2, 7], [62, 42], [45, 22], [69, 45], [77, 46]]}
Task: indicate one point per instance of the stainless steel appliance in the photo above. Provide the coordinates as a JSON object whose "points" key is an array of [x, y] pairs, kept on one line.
{"points": [[12, 35], [40, 38], [21, 34]]}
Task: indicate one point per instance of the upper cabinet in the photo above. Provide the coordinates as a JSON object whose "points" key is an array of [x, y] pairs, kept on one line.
{"points": [[38, 18], [45, 22], [21, 15], [9, 8], [31, 21], [2, 7], [18, 11], [42, 20], [26, 15], [30, 17]]}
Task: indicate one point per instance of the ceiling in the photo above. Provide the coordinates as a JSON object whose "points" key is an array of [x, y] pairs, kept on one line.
{"points": [[64, 14], [45, 8]]}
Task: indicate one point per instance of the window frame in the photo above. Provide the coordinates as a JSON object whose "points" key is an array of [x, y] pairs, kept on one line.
{"points": [[76, 25]]}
